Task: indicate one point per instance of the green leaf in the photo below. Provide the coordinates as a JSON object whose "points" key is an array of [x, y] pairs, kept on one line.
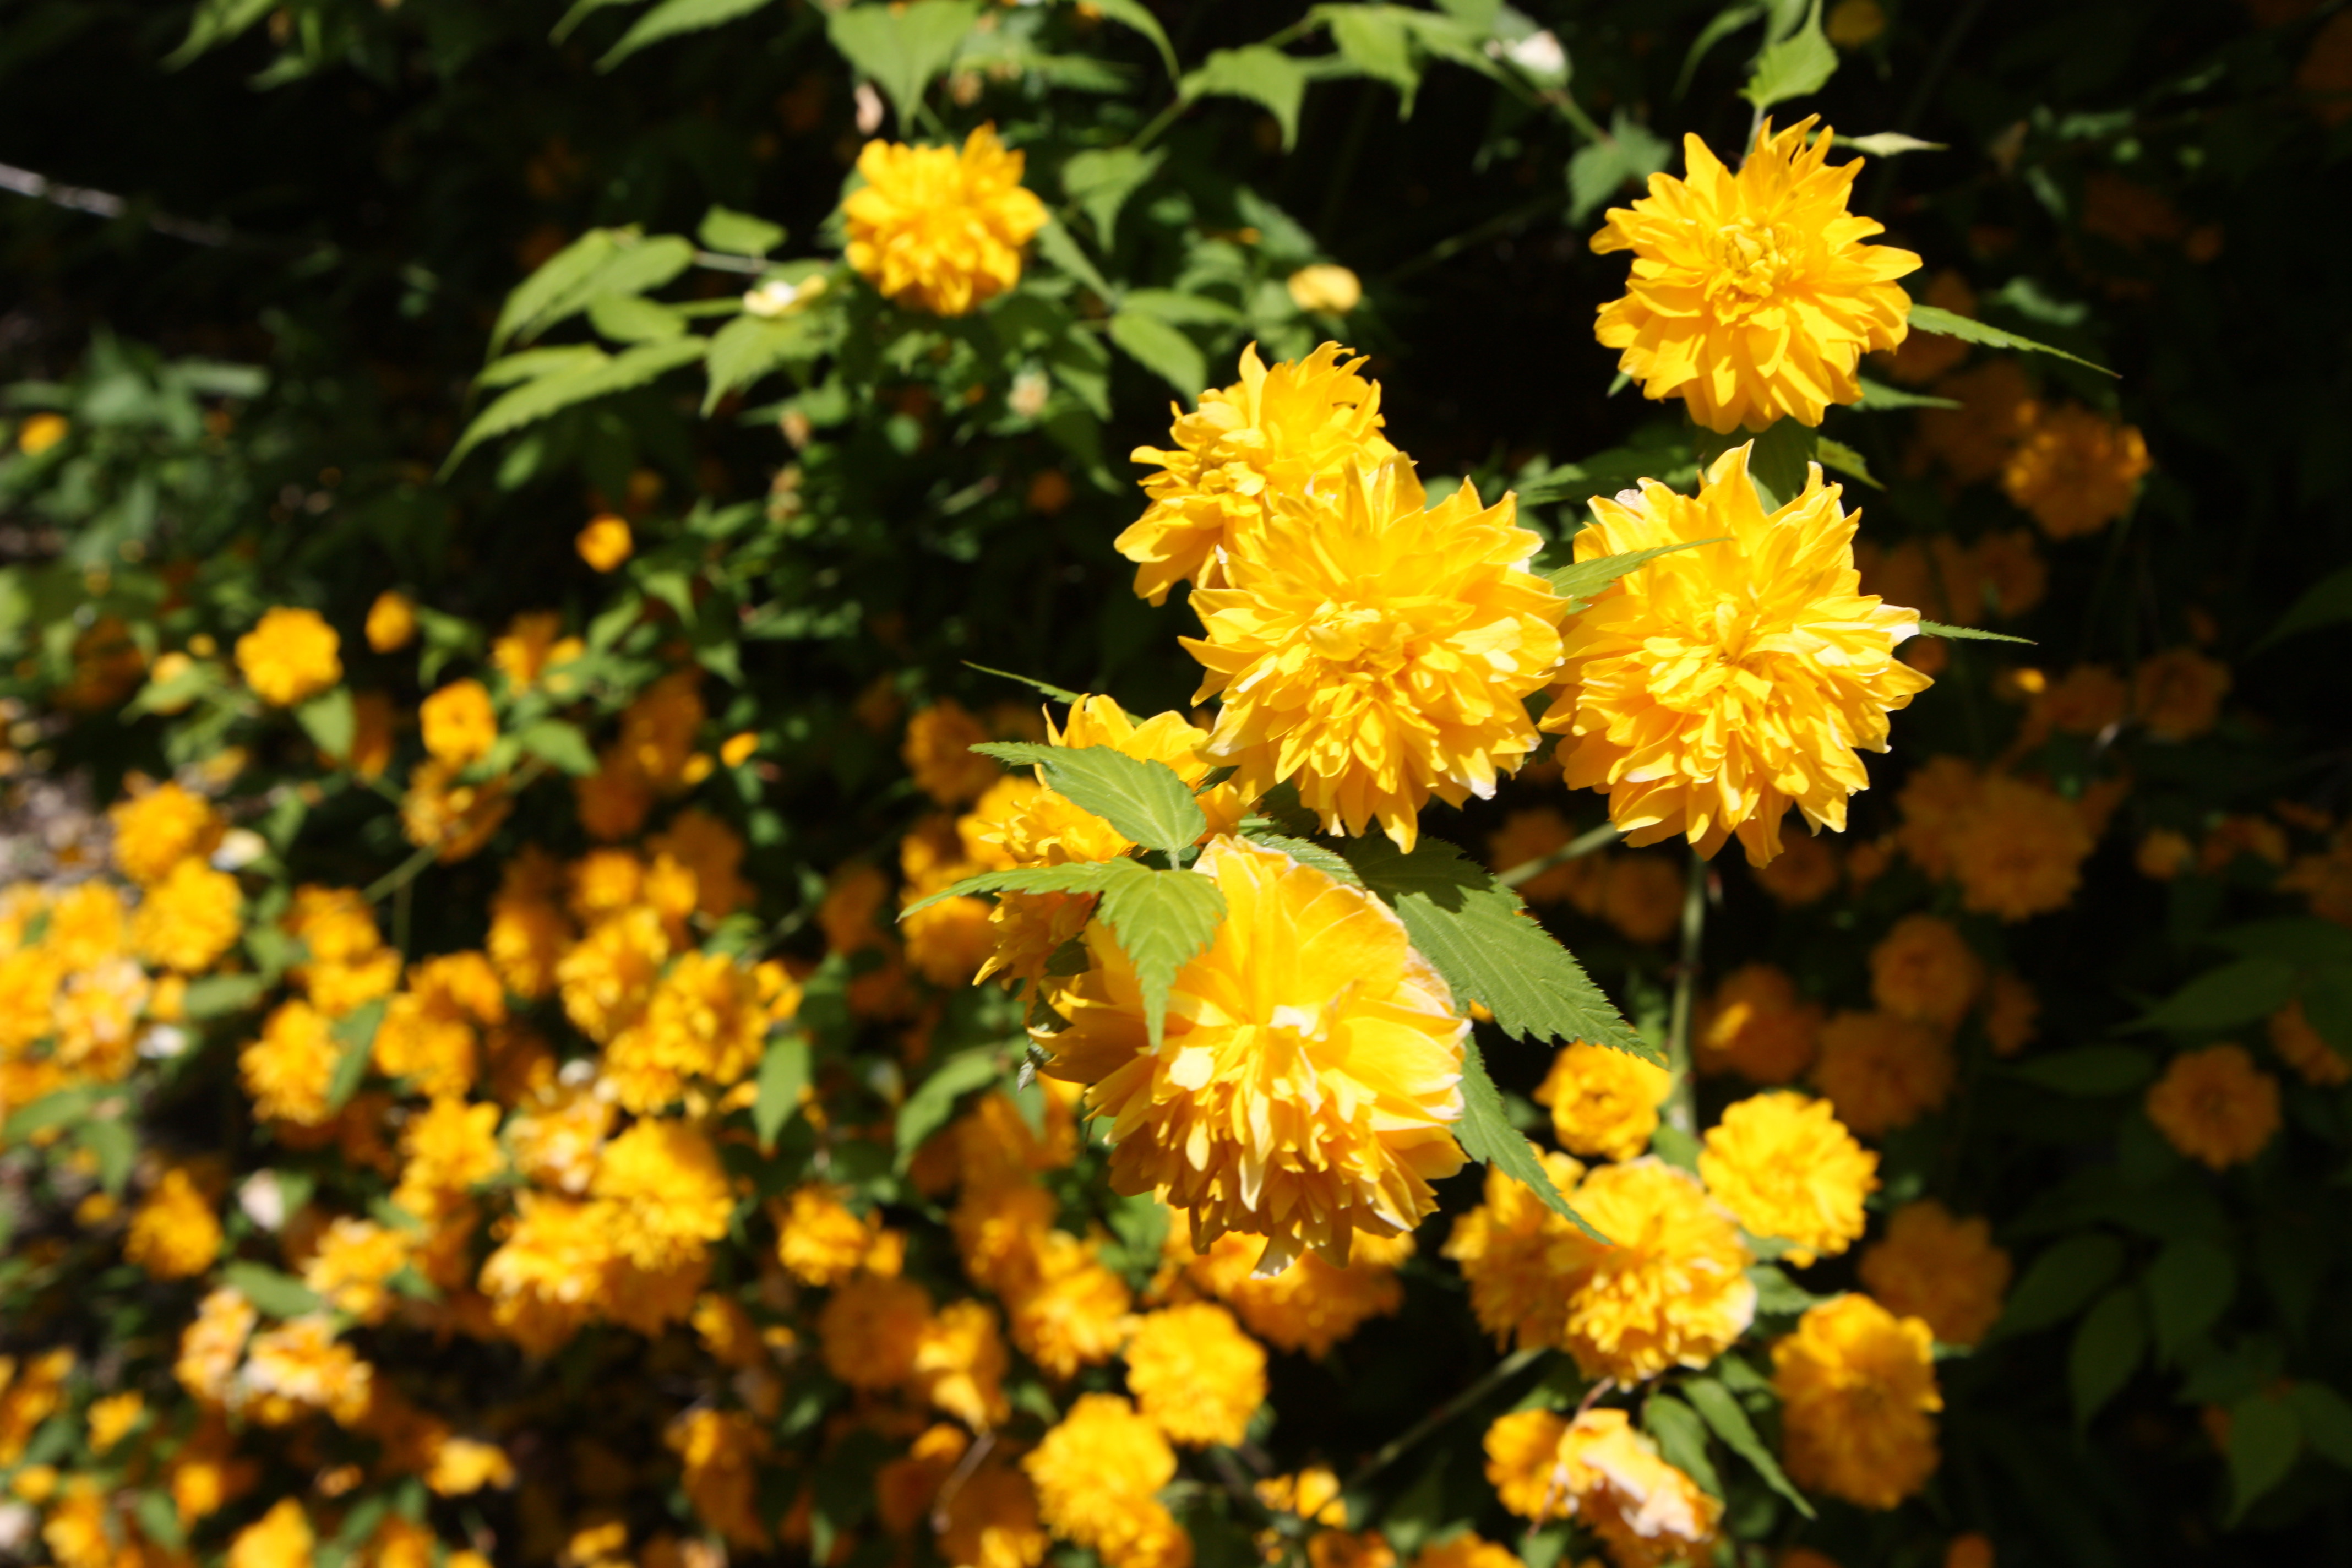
{"points": [[2302, 940], [1099, 180], [1182, 310], [113, 1146], [217, 995], [1797, 67], [1839, 457], [580, 11], [1724, 23], [1681, 1436], [783, 1073], [2188, 1286], [732, 233], [561, 745], [528, 404], [1875, 395], [750, 347], [214, 23], [2234, 993], [1136, 15], [672, 18], [356, 1031], [1944, 323], [279, 1294], [1487, 947], [1079, 877], [1377, 40], [1146, 800], [1581, 582], [1488, 1136], [933, 1103], [1720, 1408], [1262, 74], [2067, 1274], [2327, 1418], [2091, 1072], [330, 721], [2265, 1437], [1778, 463], [1059, 694], [1308, 853], [1967, 634], [1056, 245], [159, 1521], [1160, 349], [2326, 603], [1161, 921], [1629, 155], [53, 1110], [602, 261], [902, 47], [634, 319], [2109, 1344]]}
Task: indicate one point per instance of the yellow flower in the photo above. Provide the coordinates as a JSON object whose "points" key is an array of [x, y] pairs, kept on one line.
{"points": [[299, 1366], [818, 1237], [1306, 1084], [2215, 1106], [549, 1269], [1881, 1072], [461, 1466], [174, 1235], [1308, 1307], [1932, 1266], [1068, 1309], [1752, 295], [607, 976], [454, 819], [2075, 471], [1326, 287], [1669, 1288], [605, 543], [1195, 1375], [1785, 1167], [451, 1147], [1096, 1474], [1604, 1102], [992, 1521], [534, 643], [2302, 1048], [155, 831], [1598, 1470], [671, 1199], [1288, 431], [871, 1330], [391, 621], [1467, 1550], [212, 1344], [289, 655], [459, 725], [1857, 1389], [42, 431], [1375, 652], [718, 1451], [281, 1539], [189, 919], [1505, 1250], [941, 231], [111, 1419], [959, 1364], [1711, 689], [1924, 971], [2178, 693], [1757, 1026], [2017, 848], [288, 1070], [703, 1021], [938, 752], [355, 1259]]}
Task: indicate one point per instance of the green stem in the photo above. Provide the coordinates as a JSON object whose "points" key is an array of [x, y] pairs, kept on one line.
{"points": [[1682, 1099], [1576, 848], [1502, 1372], [1160, 122]]}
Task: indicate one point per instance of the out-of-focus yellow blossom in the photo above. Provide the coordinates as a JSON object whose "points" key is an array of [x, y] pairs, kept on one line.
{"points": [[607, 977], [2178, 693], [453, 819], [460, 727], [1924, 970], [1097, 1475], [299, 1366], [174, 1235], [1375, 651], [605, 543], [1507, 1249], [42, 431], [533, 645], [1881, 1072], [1326, 287], [1534, 834], [282, 1538], [1998, 404], [212, 1344], [391, 621], [1757, 1026], [1604, 1102], [671, 1199], [550, 1268], [462, 1466], [355, 1259], [1290, 430], [288, 656], [941, 231], [2215, 1106], [2015, 846], [189, 919], [1942, 1269], [288, 1070], [1308, 1080], [1785, 1167], [704, 1022], [1855, 23], [373, 719], [718, 1451], [819, 1239], [1858, 1394], [154, 832], [1598, 1470], [1195, 1375], [959, 1364], [872, 1328], [2075, 471], [111, 1418], [1669, 1288], [1753, 295], [1710, 690], [1804, 872], [450, 1147], [1308, 1307], [2012, 1010], [2304, 1048], [1066, 1309], [1467, 1550], [938, 752]]}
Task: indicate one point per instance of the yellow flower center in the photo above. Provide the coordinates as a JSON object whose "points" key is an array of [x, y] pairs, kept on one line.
{"points": [[1345, 634], [1757, 259]]}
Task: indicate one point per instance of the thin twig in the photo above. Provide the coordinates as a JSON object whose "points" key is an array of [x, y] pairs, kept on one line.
{"points": [[107, 205], [1680, 1107], [1576, 848], [956, 1478], [1502, 1372]]}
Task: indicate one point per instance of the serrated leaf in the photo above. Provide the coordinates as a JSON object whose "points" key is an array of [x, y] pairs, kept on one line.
{"points": [[355, 1032], [902, 47], [1488, 1136], [1969, 634], [1308, 853], [602, 261], [1162, 350], [1161, 921], [1100, 179], [528, 404], [561, 745], [750, 347], [529, 364], [1681, 1437], [1630, 154], [279, 1295], [1839, 457], [1377, 40], [331, 719], [738, 234], [1944, 323], [1488, 949], [1798, 65], [2265, 1437], [933, 1103], [783, 1073], [2234, 993], [1581, 582], [1136, 15], [2109, 1344], [1080, 877], [672, 18], [1145, 799], [1261, 74], [1720, 1408]]}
